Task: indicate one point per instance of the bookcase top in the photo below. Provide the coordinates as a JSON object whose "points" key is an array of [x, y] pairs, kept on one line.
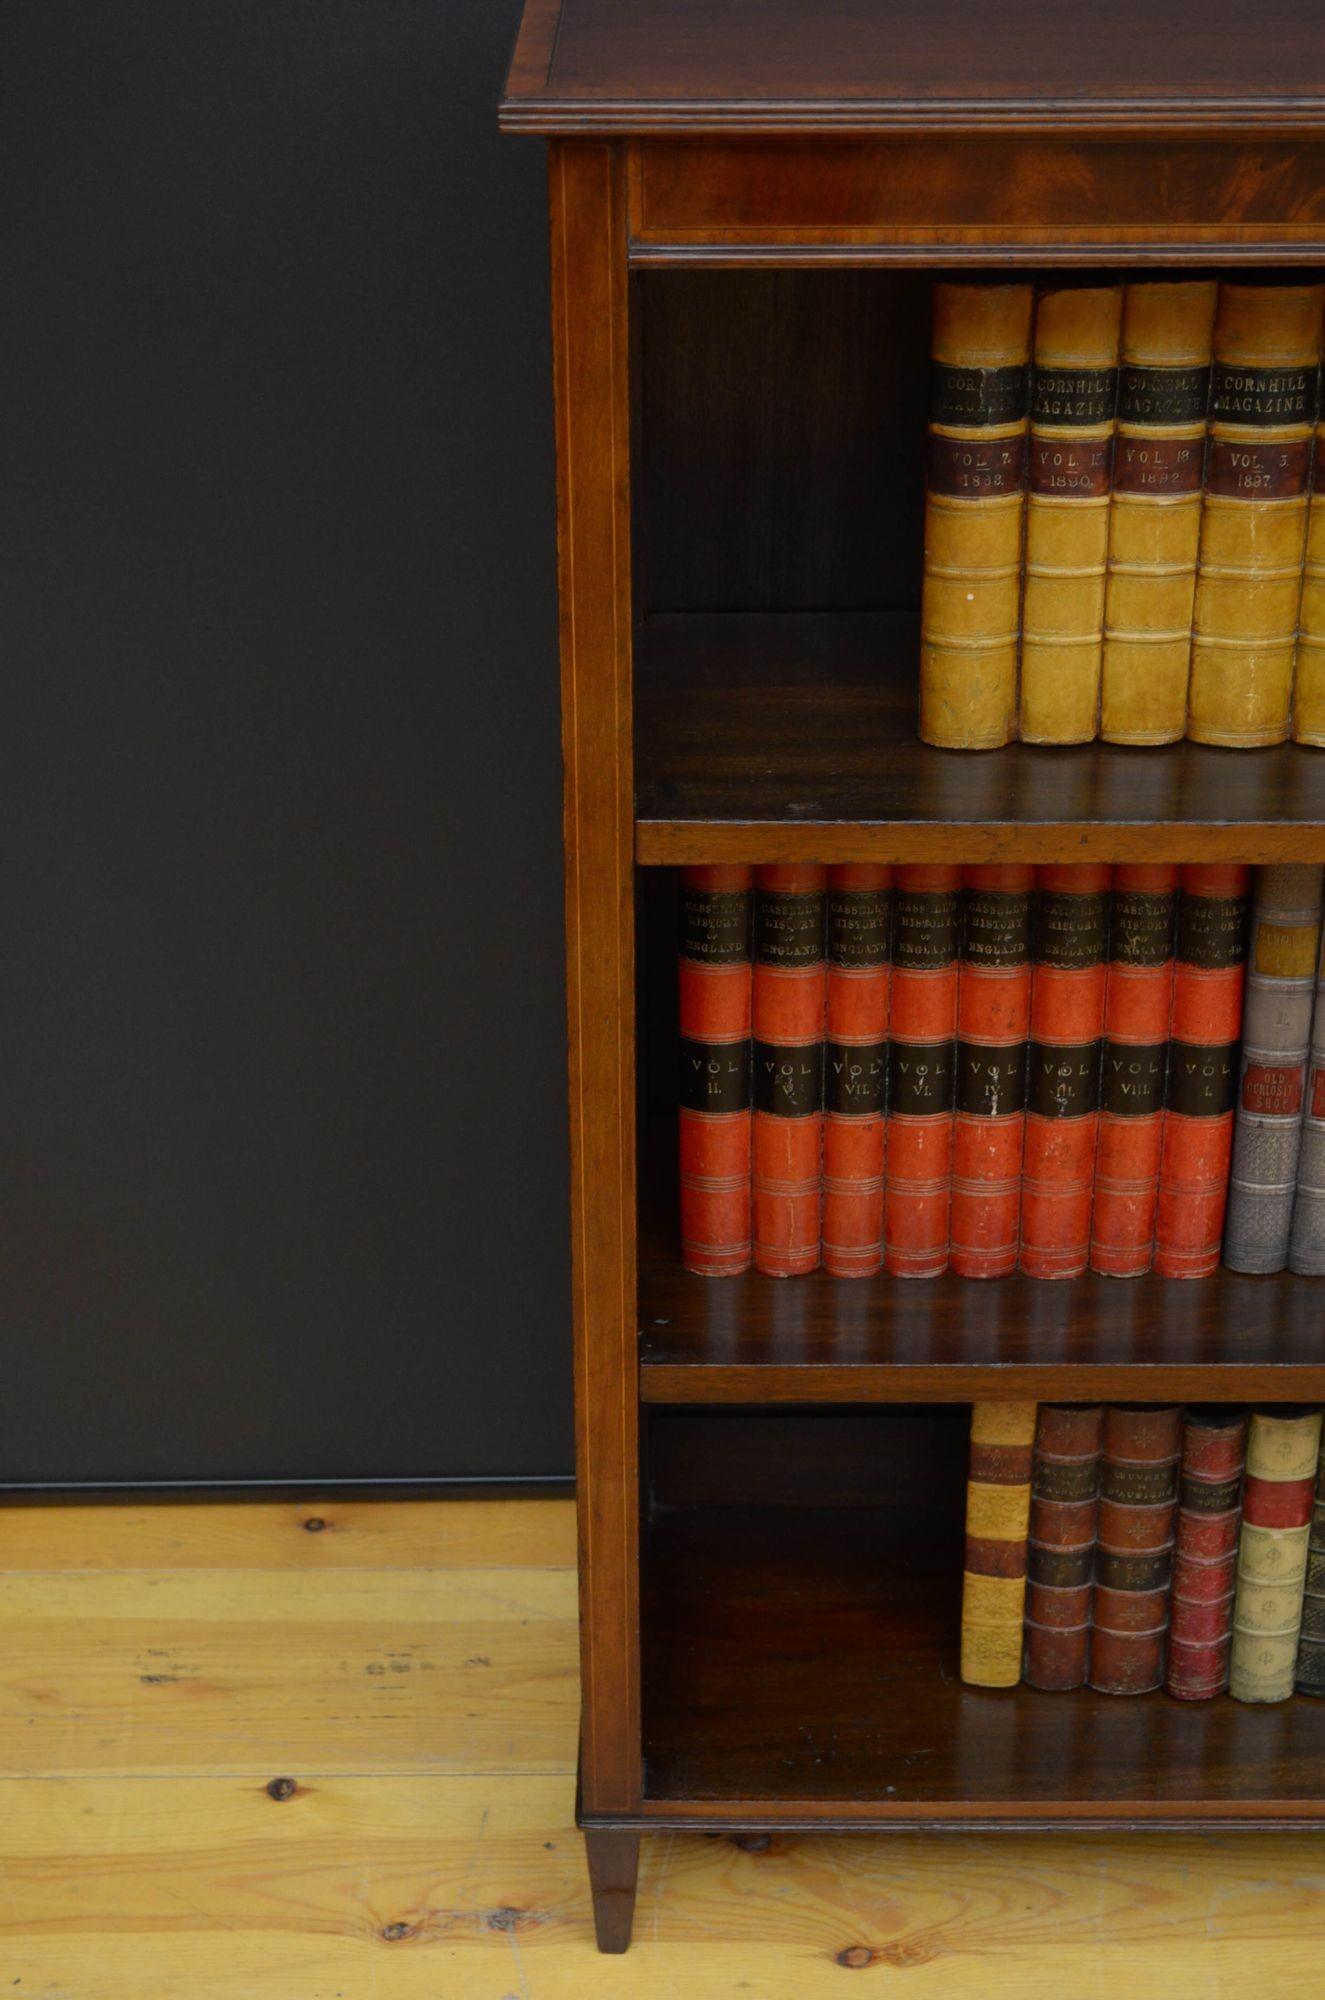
{"points": [[789, 66]]}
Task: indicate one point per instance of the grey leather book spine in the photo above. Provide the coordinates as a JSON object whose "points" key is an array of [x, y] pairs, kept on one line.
{"points": [[1282, 964], [1306, 1250]]}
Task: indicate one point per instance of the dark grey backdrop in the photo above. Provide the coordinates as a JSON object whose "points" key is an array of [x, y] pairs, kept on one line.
{"points": [[282, 1193]]}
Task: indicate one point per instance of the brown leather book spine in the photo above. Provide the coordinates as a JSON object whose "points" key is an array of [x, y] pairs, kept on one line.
{"points": [[1155, 513], [1309, 670], [1134, 1551], [1061, 1563], [1138, 1000], [856, 1066], [921, 1054], [1253, 522], [1310, 1674], [714, 1121], [1214, 1447], [789, 993], [1070, 930], [1209, 971], [1283, 1449], [993, 1019], [1074, 391], [998, 1504], [974, 501]]}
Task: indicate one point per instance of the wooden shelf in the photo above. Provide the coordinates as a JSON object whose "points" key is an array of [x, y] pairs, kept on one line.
{"points": [[816, 1339], [800, 1665], [792, 737]]}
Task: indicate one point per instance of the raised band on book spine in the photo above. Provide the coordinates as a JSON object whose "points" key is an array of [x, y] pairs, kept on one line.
{"points": [[1253, 522], [1283, 1447], [921, 1058], [1214, 1445], [998, 1505], [714, 1118], [974, 501], [1276, 1032], [1309, 668], [859, 925], [1070, 930], [1306, 1243], [1074, 391], [1061, 1562], [1209, 967], [993, 1020], [789, 992], [1310, 1674], [1155, 513], [1134, 1550], [1138, 1000]]}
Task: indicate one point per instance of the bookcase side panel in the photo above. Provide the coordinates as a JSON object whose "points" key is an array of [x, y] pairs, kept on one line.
{"points": [[591, 364]]}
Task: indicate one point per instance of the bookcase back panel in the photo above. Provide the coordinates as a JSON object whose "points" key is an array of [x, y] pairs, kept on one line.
{"points": [[984, 193], [907, 1455], [779, 456]]}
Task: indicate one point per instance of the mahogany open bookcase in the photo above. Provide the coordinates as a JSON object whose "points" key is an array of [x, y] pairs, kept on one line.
{"points": [[749, 203]]}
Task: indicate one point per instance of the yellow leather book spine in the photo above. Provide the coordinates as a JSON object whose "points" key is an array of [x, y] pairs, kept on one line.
{"points": [[1309, 673], [1253, 522], [974, 502], [998, 1513], [1155, 511], [1074, 383]]}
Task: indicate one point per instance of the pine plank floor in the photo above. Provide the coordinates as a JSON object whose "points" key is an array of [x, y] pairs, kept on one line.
{"points": [[408, 1669]]}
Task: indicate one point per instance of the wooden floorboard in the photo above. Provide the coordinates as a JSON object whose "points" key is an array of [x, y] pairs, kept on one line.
{"points": [[422, 1848]]}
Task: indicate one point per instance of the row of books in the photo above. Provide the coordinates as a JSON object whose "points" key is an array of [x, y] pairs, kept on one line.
{"points": [[1121, 537], [1001, 1067], [1134, 1548]]}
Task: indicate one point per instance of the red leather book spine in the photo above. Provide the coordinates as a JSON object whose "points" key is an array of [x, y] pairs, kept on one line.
{"points": [[1209, 968], [1214, 1448], [993, 1019], [1070, 929], [1064, 1504], [1138, 999], [1134, 1549], [859, 922], [921, 1050], [789, 994], [714, 979]]}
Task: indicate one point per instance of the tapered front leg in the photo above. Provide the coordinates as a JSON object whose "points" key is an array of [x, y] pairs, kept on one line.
{"points": [[613, 1873]]}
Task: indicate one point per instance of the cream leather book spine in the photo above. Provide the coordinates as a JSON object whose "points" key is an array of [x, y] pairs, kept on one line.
{"points": [[1074, 386], [1253, 522], [1155, 511], [974, 506], [1309, 674]]}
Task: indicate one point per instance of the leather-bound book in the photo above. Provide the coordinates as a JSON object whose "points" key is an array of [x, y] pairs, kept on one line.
{"points": [[993, 1020], [998, 1505], [1134, 1550], [921, 1056], [1074, 384], [1070, 931], [1253, 522], [1310, 1674], [1138, 1000], [1210, 960], [1214, 1446], [789, 992], [1155, 514], [1306, 1242], [974, 501], [1065, 1479], [1309, 669], [1276, 1033], [856, 1066], [1282, 1451], [714, 1121]]}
